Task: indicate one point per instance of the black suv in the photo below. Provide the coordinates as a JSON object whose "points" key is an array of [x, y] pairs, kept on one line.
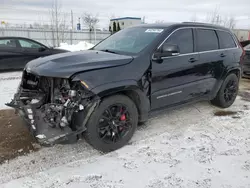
{"points": [[104, 92]]}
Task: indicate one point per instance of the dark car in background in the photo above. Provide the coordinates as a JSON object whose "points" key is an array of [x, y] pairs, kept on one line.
{"points": [[16, 52], [246, 59], [104, 92]]}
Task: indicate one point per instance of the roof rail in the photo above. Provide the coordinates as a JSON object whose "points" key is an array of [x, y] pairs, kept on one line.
{"points": [[195, 22]]}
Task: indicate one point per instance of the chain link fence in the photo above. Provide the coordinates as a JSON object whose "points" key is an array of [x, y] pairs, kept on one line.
{"points": [[50, 38]]}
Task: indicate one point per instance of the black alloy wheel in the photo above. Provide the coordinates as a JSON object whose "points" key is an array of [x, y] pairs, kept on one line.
{"points": [[227, 92], [230, 90], [114, 124]]}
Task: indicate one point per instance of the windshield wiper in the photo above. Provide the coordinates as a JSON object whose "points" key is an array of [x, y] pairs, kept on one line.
{"points": [[109, 51]]}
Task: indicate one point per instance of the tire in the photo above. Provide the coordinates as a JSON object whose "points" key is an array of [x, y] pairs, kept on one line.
{"points": [[92, 136], [221, 100]]}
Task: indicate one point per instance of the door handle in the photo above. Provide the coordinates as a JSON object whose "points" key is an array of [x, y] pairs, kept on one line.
{"points": [[192, 60], [222, 55]]}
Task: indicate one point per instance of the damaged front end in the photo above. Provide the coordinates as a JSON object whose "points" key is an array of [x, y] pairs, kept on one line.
{"points": [[56, 109]]}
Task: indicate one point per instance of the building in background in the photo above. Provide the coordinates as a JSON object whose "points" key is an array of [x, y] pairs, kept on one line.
{"points": [[242, 34], [120, 23]]}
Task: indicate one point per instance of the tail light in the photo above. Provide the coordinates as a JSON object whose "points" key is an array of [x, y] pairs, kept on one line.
{"points": [[243, 52]]}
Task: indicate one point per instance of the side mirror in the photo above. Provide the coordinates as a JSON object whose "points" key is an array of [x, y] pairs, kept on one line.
{"points": [[170, 50], [166, 50], [41, 49]]}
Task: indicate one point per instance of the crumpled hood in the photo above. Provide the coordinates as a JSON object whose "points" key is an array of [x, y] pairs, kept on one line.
{"points": [[65, 65]]}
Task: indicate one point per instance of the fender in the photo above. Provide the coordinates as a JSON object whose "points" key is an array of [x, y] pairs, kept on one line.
{"points": [[114, 87], [223, 77], [232, 69], [129, 88]]}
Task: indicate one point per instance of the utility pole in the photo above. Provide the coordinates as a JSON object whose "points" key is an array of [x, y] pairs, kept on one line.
{"points": [[57, 23], [95, 34], [72, 20], [72, 26]]}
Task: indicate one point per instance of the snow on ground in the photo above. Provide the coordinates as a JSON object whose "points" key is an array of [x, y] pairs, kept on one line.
{"points": [[83, 45], [185, 148], [188, 147], [8, 84]]}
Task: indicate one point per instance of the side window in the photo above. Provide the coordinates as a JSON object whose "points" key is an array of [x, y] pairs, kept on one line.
{"points": [[207, 40], [7, 43], [184, 39], [226, 40], [29, 44]]}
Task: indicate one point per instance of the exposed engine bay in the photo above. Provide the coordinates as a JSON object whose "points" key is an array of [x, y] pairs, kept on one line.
{"points": [[55, 108]]}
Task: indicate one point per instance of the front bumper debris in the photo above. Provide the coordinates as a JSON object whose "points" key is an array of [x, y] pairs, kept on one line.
{"points": [[42, 132], [50, 118]]}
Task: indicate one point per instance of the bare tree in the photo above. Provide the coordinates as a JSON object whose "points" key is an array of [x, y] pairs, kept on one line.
{"points": [[58, 23], [214, 17], [90, 21], [229, 21]]}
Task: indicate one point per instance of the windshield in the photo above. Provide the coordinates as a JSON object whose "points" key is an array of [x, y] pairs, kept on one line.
{"points": [[131, 40]]}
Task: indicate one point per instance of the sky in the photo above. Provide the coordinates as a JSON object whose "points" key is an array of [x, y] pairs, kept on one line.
{"points": [[31, 11]]}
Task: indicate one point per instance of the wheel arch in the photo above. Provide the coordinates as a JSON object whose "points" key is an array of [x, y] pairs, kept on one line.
{"points": [[234, 70], [131, 90]]}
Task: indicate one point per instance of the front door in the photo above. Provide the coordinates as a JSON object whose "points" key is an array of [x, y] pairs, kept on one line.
{"points": [[176, 78]]}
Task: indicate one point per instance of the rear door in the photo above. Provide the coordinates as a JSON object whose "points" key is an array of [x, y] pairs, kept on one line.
{"points": [[10, 54], [211, 58]]}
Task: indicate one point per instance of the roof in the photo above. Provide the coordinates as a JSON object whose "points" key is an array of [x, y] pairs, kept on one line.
{"points": [[14, 37], [24, 38], [126, 18], [181, 24]]}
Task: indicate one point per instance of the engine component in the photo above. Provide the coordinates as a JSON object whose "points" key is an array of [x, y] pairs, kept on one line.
{"points": [[52, 114], [34, 101], [72, 93], [64, 122], [81, 107]]}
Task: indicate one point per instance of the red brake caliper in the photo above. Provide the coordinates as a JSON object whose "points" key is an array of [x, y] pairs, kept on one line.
{"points": [[122, 118]]}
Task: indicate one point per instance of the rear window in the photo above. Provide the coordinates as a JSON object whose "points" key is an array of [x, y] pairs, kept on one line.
{"points": [[226, 40], [207, 40]]}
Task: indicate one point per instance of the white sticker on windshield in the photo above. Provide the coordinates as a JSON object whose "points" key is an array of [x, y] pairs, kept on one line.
{"points": [[153, 30]]}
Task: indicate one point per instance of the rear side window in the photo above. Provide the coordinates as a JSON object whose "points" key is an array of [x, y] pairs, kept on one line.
{"points": [[226, 40], [207, 40], [5, 43], [184, 39]]}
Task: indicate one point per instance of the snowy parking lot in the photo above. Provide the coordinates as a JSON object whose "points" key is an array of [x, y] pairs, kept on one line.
{"points": [[8, 85], [197, 145]]}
